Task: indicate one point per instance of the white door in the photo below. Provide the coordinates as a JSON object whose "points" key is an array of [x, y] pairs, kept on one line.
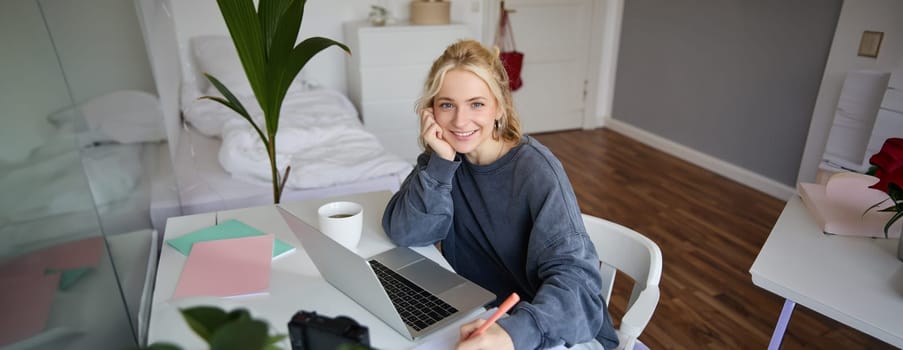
{"points": [[554, 36]]}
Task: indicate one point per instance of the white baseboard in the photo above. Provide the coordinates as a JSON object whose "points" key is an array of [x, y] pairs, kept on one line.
{"points": [[728, 170]]}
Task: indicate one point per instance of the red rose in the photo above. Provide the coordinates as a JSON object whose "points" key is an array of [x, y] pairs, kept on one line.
{"points": [[889, 164], [888, 168]]}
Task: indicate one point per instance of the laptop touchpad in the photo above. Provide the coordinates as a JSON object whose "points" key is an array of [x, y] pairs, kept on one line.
{"points": [[431, 276]]}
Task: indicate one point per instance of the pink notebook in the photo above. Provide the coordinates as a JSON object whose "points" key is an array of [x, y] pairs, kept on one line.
{"points": [[840, 207], [26, 302], [227, 267], [63, 256]]}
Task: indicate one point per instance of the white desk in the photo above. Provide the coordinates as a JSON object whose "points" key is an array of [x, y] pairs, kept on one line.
{"points": [[295, 283], [854, 280]]}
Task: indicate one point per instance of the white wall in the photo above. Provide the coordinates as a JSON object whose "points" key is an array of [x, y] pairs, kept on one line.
{"points": [[100, 46], [325, 18], [856, 16], [31, 83], [607, 34], [87, 48]]}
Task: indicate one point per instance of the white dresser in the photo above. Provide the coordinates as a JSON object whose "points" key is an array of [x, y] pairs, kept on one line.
{"points": [[386, 72], [889, 122]]}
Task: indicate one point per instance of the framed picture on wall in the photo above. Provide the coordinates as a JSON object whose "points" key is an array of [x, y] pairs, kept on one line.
{"points": [[870, 43]]}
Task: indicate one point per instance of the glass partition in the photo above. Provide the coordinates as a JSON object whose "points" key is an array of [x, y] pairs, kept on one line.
{"points": [[83, 161]]}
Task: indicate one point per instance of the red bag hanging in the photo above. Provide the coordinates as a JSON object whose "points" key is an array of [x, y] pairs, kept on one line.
{"points": [[512, 59]]}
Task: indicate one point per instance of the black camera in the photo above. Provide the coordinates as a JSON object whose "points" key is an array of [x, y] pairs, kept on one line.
{"points": [[309, 331]]}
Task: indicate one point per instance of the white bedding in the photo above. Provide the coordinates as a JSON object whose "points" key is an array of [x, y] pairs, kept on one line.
{"points": [[319, 136], [50, 195], [57, 184], [205, 187]]}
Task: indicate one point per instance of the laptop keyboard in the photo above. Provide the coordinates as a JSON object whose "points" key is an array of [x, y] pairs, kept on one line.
{"points": [[418, 308]]}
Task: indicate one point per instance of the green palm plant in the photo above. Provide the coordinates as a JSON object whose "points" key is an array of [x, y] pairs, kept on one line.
{"points": [[265, 41]]}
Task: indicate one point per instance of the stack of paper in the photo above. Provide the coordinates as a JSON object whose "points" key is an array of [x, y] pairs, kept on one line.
{"points": [[30, 282], [227, 267], [225, 230], [26, 303], [841, 206], [227, 260]]}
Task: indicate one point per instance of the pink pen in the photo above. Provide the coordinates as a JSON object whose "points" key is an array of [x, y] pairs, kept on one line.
{"points": [[507, 305]]}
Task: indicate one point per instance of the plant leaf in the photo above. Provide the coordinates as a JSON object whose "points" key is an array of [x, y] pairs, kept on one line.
{"points": [[304, 51], [270, 12], [891, 222], [873, 207], [273, 339], [235, 104], [277, 80], [240, 335], [282, 74], [250, 43], [285, 31], [241, 314], [204, 320], [246, 117]]}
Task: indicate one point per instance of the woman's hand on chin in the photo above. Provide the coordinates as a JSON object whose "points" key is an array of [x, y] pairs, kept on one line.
{"points": [[432, 134]]}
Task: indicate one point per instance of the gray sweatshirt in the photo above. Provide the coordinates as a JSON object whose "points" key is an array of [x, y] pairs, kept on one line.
{"points": [[510, 226]]}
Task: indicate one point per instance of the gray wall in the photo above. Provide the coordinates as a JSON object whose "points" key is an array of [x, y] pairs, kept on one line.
{"points": [[736, 79], [31, 82]]}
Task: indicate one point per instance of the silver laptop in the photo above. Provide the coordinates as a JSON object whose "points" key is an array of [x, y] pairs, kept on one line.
{"points": [[408, 291]]}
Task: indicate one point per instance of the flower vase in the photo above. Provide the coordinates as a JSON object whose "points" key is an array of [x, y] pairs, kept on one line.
{"points": [[900, 245]]}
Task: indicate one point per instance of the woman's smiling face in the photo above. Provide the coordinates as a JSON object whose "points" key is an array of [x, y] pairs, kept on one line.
{"points": [[466, 111]]}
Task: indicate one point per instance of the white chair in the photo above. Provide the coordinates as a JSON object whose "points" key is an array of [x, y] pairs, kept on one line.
{"points": [[628, 251]]}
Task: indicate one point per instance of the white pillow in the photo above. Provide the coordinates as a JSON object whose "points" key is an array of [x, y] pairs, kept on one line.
{"points": [[124, 116], [216, 56]]}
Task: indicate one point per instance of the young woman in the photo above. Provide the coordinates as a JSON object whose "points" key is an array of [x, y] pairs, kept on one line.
{"points": [[501, 206]]}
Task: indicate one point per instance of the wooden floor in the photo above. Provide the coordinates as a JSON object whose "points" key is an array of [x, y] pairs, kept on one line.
{"points": [[709, 229]]}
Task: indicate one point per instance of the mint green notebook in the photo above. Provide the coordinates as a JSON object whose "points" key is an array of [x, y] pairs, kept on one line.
{"points": [[225, 230]]}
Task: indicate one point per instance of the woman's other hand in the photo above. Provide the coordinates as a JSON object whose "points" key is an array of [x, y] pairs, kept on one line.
{"points": [[432, 134], [495, 337]]}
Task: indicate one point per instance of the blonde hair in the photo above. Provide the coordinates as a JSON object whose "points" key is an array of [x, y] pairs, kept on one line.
{"points": [[471, 56]]}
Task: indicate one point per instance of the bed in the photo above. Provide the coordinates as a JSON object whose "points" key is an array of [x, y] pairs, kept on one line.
{"points": [[100, 168], [77, 191], [218, 161]]}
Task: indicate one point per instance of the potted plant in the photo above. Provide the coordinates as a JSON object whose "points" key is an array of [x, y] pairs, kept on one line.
{"points": [[234, 330], [265, 40]]}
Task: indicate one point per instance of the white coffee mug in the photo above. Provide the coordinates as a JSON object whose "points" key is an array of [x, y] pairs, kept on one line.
{"points": [[343, 222]]}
